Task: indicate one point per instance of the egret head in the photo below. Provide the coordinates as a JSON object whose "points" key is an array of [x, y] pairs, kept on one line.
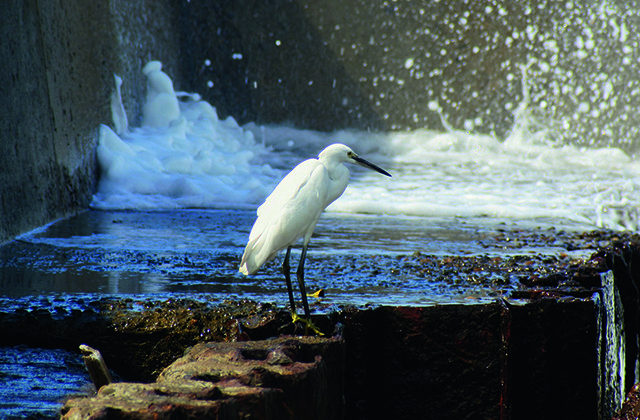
{"points": [[339, 153]]}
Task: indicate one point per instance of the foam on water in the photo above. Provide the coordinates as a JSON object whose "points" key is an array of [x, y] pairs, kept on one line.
{"points": [[184, 156]]}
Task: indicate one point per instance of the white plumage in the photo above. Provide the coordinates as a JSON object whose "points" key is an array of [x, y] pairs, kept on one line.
{"points": [[292, 210]]}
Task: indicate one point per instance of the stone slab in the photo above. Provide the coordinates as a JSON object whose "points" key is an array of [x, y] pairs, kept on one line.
{"points": [[287, 377]]}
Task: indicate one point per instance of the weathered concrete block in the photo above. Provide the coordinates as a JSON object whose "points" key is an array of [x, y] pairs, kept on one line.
{"points": [[553, 360], [425, 362], [530, 361], [287, 377], [309, 370]]}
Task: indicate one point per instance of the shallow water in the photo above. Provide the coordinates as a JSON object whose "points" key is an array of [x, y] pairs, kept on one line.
{"points": [[34, 382], [198, 251]]}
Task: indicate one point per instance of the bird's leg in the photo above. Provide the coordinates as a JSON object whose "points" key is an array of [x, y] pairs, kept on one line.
{"points": [[303, 291], [286, 269]]}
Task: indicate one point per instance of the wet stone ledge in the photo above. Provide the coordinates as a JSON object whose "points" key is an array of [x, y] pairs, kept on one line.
{"points": [[549, 349], [138, 338], [541, 359]]}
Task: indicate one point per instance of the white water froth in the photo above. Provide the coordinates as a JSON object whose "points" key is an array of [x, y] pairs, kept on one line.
{"points": [[184, 156]]}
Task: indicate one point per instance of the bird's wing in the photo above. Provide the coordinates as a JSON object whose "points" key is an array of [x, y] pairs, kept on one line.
{"points": [[289, 186], [289, 213], [284, 191]]}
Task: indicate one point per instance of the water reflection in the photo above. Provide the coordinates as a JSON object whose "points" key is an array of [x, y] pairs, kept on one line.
{"points": [[357, 258]]}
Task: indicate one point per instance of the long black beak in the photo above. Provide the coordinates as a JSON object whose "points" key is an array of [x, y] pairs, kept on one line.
{"points": [[367, 164]]}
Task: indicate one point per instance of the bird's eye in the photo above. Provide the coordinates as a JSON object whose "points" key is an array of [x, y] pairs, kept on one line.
{"points": [[350, 154]]}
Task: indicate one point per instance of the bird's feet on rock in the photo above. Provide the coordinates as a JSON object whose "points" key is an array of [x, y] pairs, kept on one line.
{"points": [[308, 324]]}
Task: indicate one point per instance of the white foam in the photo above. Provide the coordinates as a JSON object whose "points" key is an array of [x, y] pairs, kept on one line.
{"points": [[161, 107], [119, 116], [194, 159], [184, 157]]}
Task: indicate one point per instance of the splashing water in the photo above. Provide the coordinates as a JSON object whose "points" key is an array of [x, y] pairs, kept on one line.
{"points": [[184, 156]]}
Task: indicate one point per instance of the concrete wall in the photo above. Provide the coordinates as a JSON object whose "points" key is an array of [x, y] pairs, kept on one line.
{"points": [[320, 64], [58, 60]]}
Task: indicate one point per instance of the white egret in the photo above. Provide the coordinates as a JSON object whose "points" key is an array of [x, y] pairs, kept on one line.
{"points": [[292, 211]]}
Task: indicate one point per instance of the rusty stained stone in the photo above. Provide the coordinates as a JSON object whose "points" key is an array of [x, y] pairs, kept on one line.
{"points": [[160, 401], [630, 410], [287, 377], [307, 369]]}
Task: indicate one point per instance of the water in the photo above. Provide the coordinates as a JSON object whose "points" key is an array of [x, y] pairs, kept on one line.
{"points": [[196, 252], [37, 381]]}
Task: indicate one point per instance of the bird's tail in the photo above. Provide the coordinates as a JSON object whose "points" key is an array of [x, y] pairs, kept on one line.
{"points": [[262, 249], [253, 257], [244, 265]]}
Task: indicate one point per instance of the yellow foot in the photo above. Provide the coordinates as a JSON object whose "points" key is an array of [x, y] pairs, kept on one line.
{"points": [[318, 294], [308, 324]]}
